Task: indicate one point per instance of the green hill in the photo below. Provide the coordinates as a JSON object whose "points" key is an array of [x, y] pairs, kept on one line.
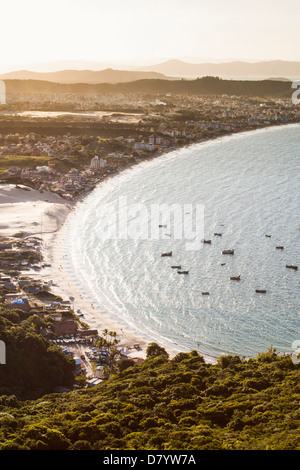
{"points": [[201, 86], [162, 404]]}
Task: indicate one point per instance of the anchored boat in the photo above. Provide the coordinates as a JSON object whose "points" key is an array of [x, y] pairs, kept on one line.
{"points": [[227, 252]]}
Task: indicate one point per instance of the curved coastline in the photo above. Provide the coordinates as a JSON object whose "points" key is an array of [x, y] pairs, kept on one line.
{"points": [[68, 285]]}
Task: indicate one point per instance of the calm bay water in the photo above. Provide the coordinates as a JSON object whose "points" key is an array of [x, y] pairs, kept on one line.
{"points": [[249, 186]]}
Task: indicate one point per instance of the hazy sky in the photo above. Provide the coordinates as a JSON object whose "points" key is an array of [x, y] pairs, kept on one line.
{"points": [[116, 30]]}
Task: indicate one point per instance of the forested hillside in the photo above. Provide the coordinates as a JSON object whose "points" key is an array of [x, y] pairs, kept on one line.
{"points": [[201, 86], [34, 366], [167, 404]]}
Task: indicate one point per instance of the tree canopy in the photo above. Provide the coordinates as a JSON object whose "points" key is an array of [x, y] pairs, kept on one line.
{"points": [[166, 404]]}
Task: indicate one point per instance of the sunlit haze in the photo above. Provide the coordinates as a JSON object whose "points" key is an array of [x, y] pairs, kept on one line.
{"points": [[117, 31]]}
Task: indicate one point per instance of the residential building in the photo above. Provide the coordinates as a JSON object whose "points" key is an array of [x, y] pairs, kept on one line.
{"points": [[96, 162]]}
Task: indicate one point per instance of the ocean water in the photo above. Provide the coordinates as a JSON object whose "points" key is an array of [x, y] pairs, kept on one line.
{"points": [[248, 186]]}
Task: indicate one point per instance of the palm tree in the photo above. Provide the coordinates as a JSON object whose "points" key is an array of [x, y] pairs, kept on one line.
{"points": [[105, 333], [112, 334]]}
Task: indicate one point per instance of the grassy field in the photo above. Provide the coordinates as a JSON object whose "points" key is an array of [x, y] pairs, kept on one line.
{"points": [[22, 161]]}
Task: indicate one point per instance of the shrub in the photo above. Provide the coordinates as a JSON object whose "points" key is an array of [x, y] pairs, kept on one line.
{"points": [[154, 349], [225, 361]]}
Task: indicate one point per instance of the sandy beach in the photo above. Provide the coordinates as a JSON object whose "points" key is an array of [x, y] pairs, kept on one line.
{"points": [[54, 255], [27, 211], [46, 215]]}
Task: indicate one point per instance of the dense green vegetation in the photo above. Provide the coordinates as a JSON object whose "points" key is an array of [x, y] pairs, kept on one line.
{"points": [[167, 404], [33, 366]]}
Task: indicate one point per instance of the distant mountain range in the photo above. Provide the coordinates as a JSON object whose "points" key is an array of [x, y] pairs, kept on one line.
{"points": [[85, 76], [270, 69], [79, 64], [168, 70]]}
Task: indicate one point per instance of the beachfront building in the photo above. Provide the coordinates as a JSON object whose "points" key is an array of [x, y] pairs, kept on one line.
{"points": [[155, 140], [98, 163], [2, 92], [17, 300], [67, 327], [143, 146]]}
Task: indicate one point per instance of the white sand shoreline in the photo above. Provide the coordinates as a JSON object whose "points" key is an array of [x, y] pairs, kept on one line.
{"points": [[46, 215], [54, 254], [35, 213], [94, 316]]}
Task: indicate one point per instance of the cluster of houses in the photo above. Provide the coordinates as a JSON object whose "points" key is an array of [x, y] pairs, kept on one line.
{"points": [[12, 259], [20, 290], [67, 184], [181, 121], [36, 145], [114, 102], [62, 331], [65, 329]]}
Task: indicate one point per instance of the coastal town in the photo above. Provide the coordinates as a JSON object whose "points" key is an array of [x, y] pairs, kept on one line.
{"points": [[75, 162], [57, 155], [24, 292], [149, 230]]}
